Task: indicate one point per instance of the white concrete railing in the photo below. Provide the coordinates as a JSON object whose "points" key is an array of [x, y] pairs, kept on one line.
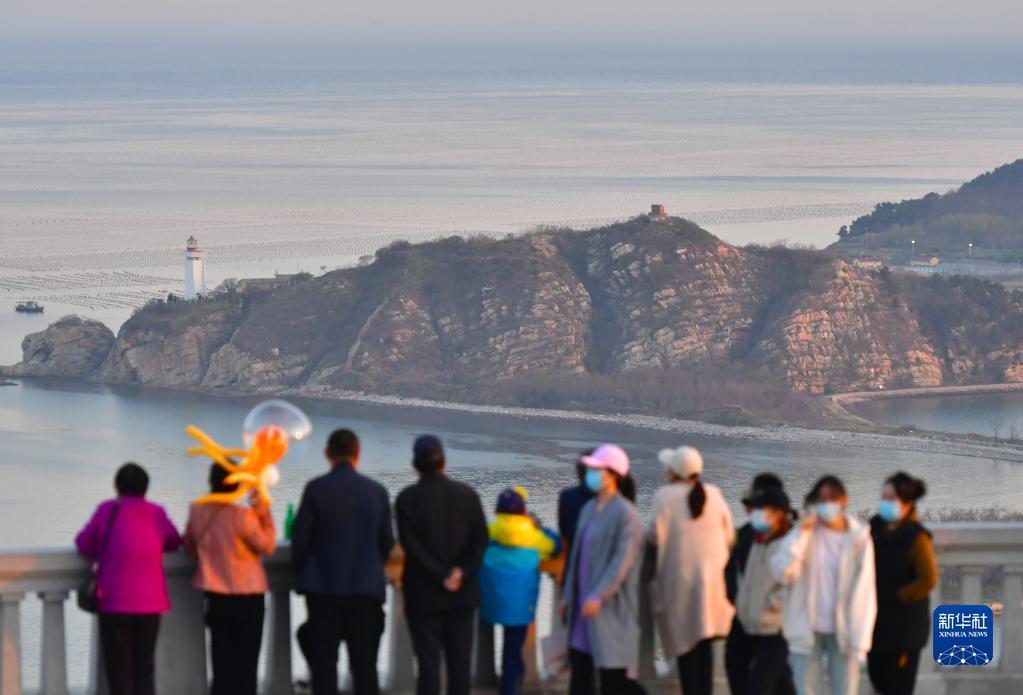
{"points": [[984, 559]]}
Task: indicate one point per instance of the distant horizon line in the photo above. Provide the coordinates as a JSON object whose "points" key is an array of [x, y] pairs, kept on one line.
{"points": [[731, 58], [653, 41]]}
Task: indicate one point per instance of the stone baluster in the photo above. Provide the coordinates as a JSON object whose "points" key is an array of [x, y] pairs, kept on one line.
{"points": [[972, 583], [532, 675], [647, 668], [181, 648], [278, 656], [720, 674], [402, 674], [927, 665], [556, 624], [53, 668], [10, 653], [97, 670], [1012, 621], [486, 671], [959, 681]]}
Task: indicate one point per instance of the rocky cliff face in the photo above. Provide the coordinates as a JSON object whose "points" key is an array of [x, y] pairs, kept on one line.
{"points": [[457, 318], [848, 332], [169, 353], [672, 294], [72, 347]]}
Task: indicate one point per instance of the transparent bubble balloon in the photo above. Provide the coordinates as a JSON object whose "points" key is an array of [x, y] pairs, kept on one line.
{"points": [[281, 414]]}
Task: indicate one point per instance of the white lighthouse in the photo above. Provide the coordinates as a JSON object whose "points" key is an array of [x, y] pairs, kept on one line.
{"points": [[195, 269]]}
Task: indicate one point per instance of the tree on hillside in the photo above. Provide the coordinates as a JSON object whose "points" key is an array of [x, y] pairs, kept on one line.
{"points": [[987, 211]]}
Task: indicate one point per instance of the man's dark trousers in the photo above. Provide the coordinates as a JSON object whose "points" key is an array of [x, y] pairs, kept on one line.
{"points": [[450, 631], [358, 621]]}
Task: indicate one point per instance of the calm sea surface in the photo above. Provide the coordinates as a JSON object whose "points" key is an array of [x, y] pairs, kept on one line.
{"points": [[62, 443], [105, 170]]}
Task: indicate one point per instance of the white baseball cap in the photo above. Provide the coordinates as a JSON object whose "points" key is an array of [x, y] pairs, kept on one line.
{"points": [[685, 461]]}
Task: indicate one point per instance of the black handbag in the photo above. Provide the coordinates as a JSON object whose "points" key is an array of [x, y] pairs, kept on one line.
{"points": [[88, 599]]}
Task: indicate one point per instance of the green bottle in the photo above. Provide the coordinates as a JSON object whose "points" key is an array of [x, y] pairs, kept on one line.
{"points": [[289, 521]]}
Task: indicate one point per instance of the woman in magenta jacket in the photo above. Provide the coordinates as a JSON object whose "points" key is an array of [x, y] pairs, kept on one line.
{"points": [[127, 537]]}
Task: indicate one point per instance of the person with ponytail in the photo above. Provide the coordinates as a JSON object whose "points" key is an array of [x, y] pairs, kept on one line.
{"points": [[692, 532], [601, 599], [906, 574]]}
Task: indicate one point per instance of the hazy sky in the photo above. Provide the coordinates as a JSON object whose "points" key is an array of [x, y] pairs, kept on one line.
{"points": [[547, 20]]}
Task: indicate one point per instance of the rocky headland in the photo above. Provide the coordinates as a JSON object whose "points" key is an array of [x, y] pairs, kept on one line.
{"points": [[652, 316]]}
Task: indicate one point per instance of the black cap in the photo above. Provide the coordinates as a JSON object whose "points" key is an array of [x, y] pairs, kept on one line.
{"points": [[761, 483], [769, 497], [428, 447]]}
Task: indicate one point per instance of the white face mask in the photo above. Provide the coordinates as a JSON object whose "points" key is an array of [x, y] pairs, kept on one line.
{"points": [[828, 512], [759, 521]]}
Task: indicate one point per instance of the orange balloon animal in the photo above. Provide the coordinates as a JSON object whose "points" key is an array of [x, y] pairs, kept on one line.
{"points": [[257, 470]]}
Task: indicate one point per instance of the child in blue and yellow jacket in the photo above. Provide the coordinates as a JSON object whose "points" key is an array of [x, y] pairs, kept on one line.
{"points": [[509, 579]]}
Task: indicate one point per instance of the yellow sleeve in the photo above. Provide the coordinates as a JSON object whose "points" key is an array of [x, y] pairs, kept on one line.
{"points": [[544, 544]]}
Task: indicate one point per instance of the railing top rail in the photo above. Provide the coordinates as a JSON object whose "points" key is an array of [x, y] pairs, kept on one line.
{"points": [[1007, 526], [990, 543]]}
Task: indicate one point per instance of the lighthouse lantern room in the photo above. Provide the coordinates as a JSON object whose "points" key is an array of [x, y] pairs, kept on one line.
{"points": [[195, 269]]}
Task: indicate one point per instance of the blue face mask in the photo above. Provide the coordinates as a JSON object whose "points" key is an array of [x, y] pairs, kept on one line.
{"points": [[828, 511], [595, 479], [890, 510], [758, 520]]}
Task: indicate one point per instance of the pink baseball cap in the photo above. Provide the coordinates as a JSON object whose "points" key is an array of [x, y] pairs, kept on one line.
{"points": [[610, 457]]}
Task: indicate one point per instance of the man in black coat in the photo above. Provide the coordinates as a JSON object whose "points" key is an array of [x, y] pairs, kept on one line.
{"points": [[444, 534], [341, 540]]}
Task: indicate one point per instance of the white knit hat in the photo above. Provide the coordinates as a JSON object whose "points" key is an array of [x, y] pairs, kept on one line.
{"points": [[685, 461]]}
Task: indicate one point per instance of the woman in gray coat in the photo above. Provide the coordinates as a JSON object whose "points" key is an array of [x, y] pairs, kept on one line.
{"points": [[602, 586]]}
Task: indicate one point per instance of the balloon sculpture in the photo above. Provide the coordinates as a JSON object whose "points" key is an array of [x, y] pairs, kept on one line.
{"points": [[267, 432]]}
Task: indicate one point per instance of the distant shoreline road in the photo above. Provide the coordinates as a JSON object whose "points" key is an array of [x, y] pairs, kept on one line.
{"points": [[869, 436], [861, 396], [931, 442], [838, 404]]}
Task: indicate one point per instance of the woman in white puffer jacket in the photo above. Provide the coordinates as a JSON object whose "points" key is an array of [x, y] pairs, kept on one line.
{"points": [[828, 564]]}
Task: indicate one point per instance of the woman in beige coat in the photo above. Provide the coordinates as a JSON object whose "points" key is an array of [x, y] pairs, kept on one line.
{"points": [[692, 530]]}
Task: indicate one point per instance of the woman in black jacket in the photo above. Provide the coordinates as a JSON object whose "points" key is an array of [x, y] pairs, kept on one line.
{"points": [[906, 574]]}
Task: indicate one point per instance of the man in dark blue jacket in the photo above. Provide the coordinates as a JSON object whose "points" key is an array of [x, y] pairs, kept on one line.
{"points": [[571, 502], [341, 540]]}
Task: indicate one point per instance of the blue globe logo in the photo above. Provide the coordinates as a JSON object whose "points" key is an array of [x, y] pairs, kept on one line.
{"points": [[963, 655]]}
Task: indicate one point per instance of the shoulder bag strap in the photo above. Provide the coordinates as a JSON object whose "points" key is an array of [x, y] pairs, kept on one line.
{"points": [[107, 532]]}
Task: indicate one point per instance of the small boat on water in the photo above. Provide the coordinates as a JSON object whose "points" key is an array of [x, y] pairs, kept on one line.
{"points": [[29, 307]]}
